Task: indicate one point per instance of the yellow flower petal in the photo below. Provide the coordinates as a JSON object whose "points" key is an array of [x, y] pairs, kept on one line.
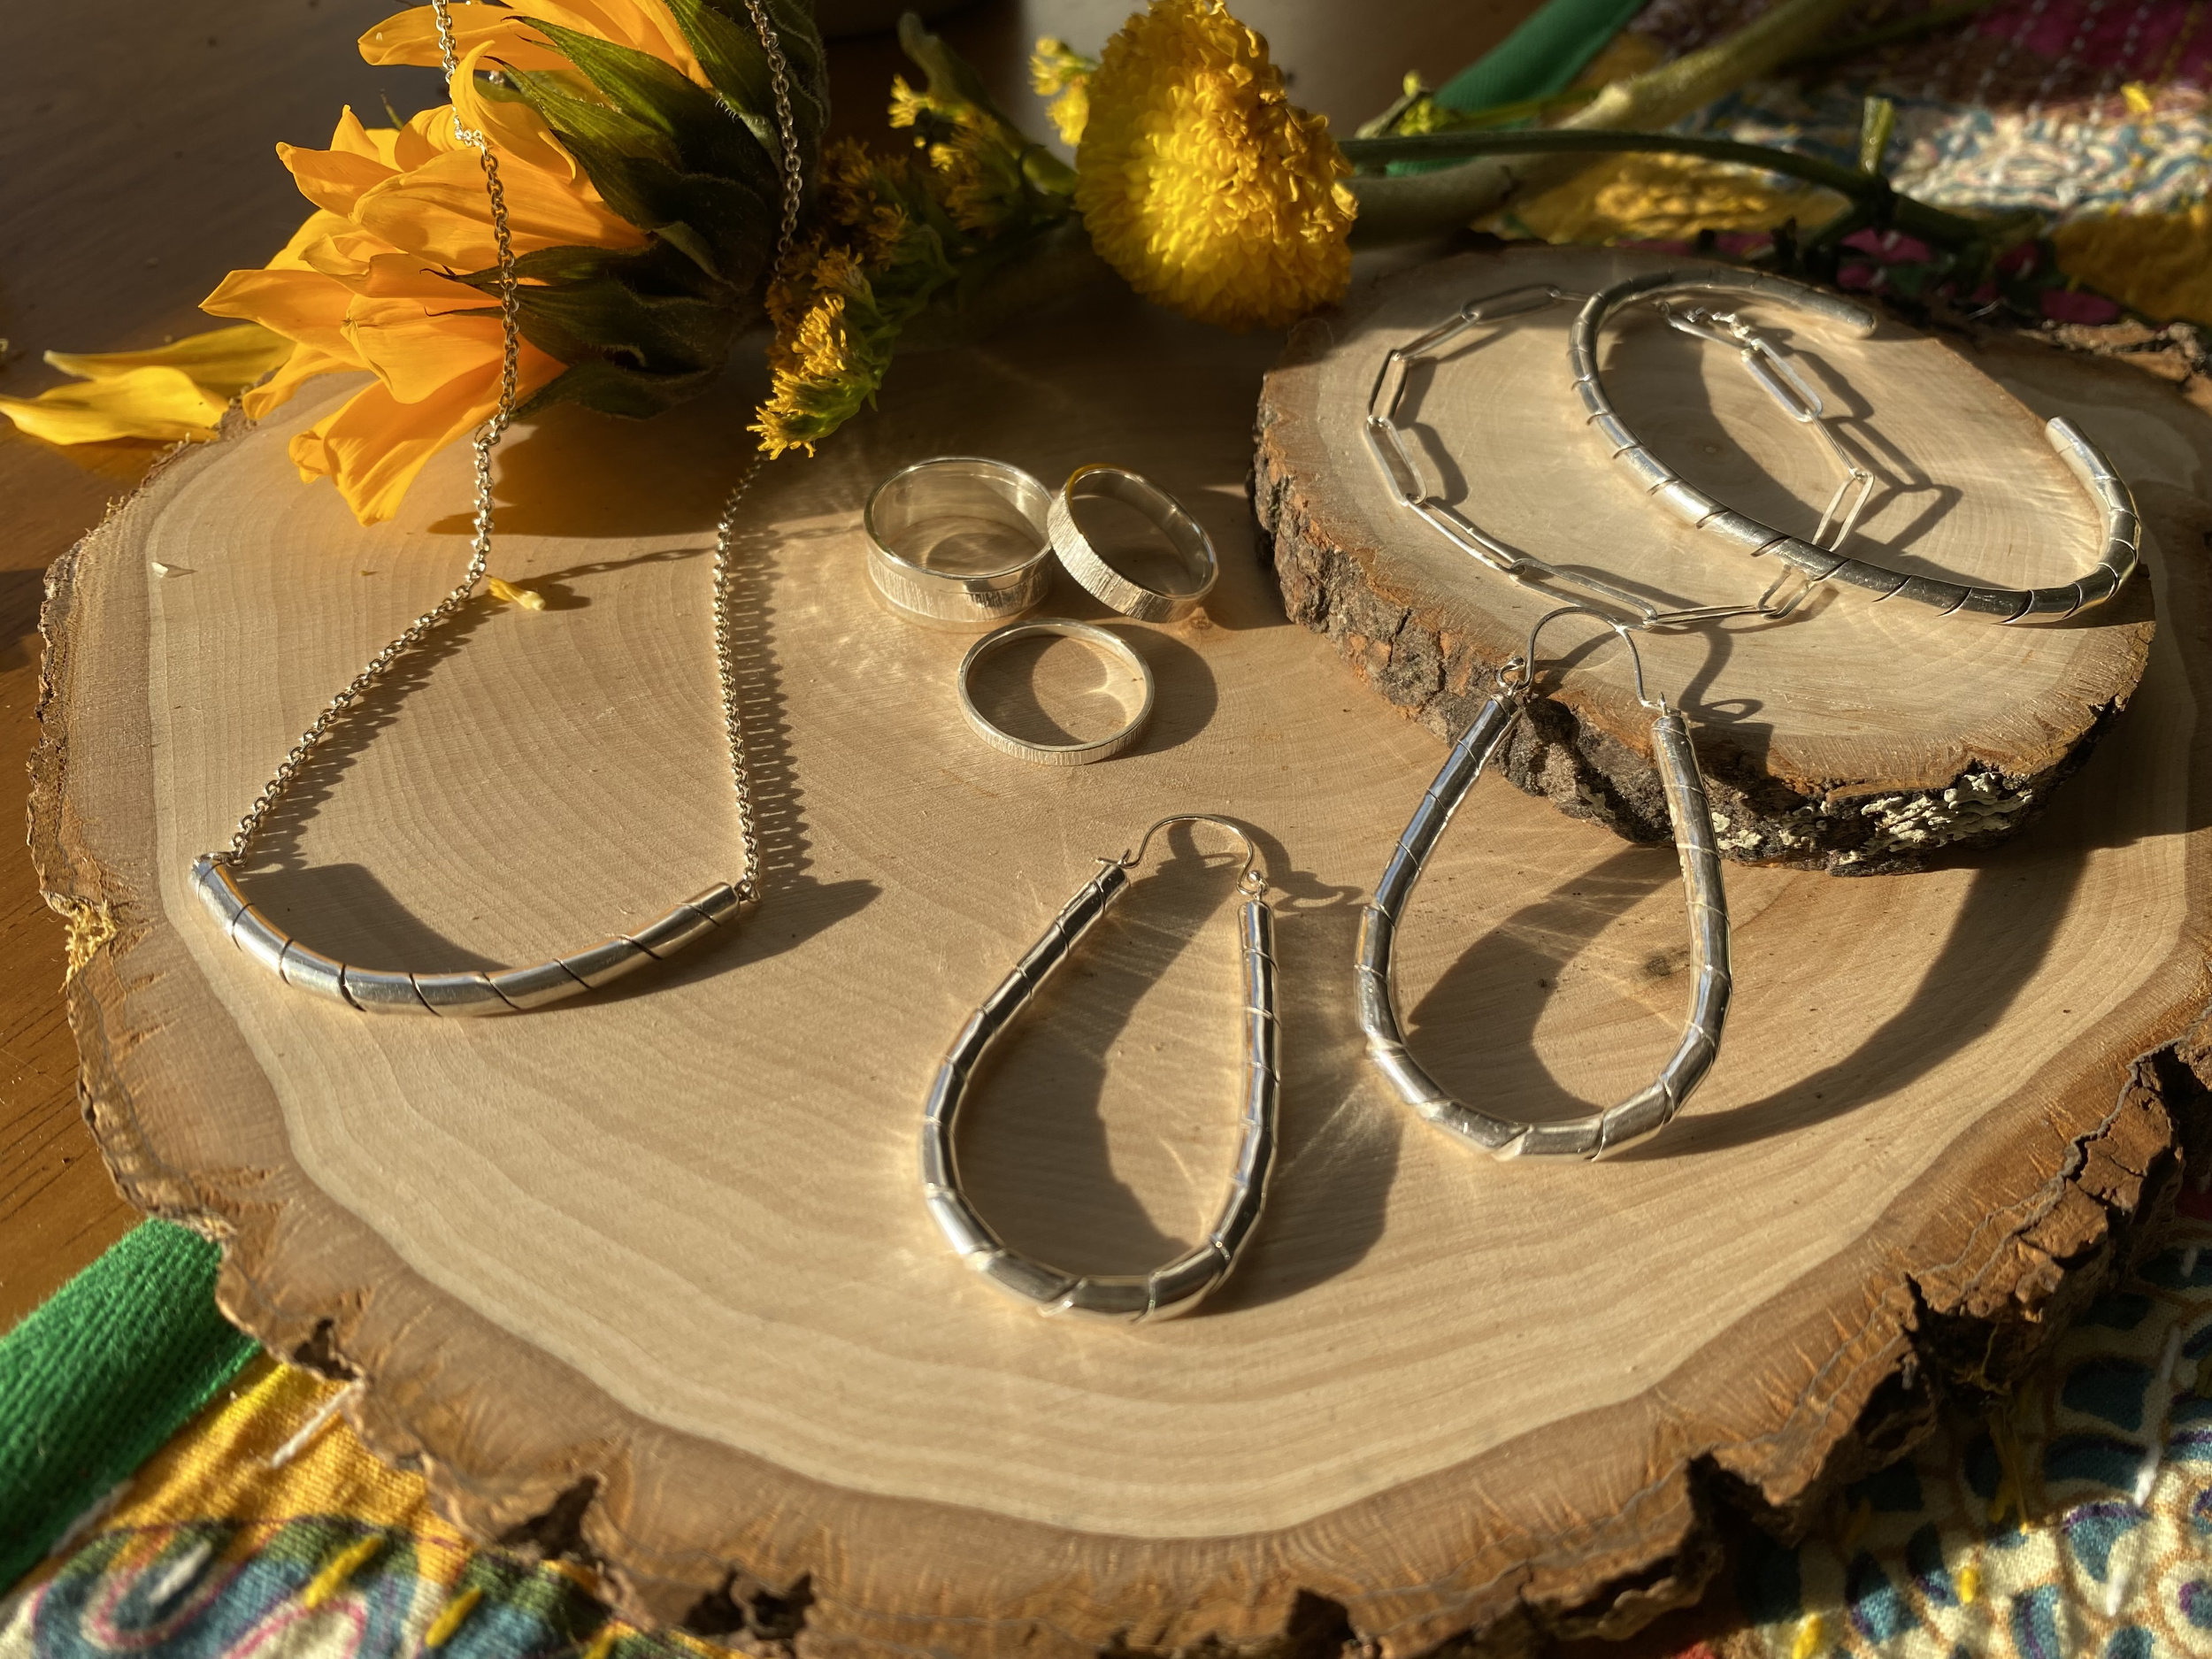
{"points": [[160, 403], [320, 226], [508, 593], [334, 179], [645, 25], [221, 359], [305, 307], [439, 212], [515, 129], [374, 445], [1201, 182], [303, 366], [412, 37]]}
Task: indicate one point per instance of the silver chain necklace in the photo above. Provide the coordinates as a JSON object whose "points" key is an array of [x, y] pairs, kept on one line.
{"points": [[399, 991]]}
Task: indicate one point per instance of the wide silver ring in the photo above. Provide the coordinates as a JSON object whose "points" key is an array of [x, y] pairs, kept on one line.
{"points": [[958, 541], [1186, 540], [1058, 754]]}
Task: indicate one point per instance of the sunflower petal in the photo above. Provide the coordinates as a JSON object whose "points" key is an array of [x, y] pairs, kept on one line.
{"points": [[221, 359], [161, 403]]}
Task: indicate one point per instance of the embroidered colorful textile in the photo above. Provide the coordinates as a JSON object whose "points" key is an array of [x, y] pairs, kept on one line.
{"points": [[266, 1528], [2076, 1523]]}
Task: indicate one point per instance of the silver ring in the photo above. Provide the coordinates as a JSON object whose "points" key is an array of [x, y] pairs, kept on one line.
{"points": [[1186, 537], [1058, 754], [958, 541]]}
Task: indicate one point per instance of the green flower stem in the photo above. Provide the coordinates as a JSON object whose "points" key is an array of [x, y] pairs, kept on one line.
{"points": [[1410, 206], [1868, 191]]}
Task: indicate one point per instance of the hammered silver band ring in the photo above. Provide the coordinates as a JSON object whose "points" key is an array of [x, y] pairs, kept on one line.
{"points": [[1191, 548], [1115, 650]]}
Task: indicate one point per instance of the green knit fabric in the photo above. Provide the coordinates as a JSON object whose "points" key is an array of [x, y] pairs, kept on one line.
{"points": [[103, 1373]]}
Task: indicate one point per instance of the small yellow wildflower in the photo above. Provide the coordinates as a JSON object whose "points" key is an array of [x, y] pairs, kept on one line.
{"points": [[978, 159], [830, 353], [1060, 73], [1201, 182]]}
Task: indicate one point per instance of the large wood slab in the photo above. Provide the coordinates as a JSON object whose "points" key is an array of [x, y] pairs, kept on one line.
{"points": [[655, 1268], [1857, 734]]}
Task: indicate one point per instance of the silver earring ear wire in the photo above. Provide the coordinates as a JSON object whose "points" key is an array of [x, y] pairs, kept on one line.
{"points": [[1184, 1282], [1645, 1113]]}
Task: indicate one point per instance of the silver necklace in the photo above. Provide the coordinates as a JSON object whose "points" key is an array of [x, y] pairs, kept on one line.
{"points": [[374, 990]]}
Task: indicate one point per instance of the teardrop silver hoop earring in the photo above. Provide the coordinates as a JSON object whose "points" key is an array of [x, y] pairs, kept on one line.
{"points": [[1184, 1282], [1644, 1113]]}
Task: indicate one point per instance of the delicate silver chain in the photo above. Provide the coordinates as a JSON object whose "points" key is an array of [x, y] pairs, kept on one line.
{"points": [[487, 439], [725, 657]]}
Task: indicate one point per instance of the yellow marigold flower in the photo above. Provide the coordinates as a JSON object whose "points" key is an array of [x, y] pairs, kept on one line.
{"points": [[1060, 73], [1201, 182]]}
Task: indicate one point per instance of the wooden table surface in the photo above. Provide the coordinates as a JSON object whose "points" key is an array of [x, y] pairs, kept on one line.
{"points": [[135, 169]]}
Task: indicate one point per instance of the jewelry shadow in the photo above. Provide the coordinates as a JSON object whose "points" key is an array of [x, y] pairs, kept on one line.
{"points": [[1454, 490], [1474, 1032], [575, 473], [1010, 685], [354, 916], [1336, 1158], [1685, 434], [1033, 1143]]}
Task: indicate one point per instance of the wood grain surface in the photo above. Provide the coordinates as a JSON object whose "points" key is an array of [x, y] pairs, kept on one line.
{"points": [[1854, 735], [658, 1265], [136, 167]]}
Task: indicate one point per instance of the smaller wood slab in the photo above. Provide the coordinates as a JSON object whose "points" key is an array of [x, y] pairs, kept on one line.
{"points": [[1856, 735]]}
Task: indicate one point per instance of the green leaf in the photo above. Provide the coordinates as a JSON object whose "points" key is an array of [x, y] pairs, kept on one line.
{"points": [[707, 140], [1877, 122], [613, 389], [581, 120], [734, 61], [607, 319], [950, 75]]}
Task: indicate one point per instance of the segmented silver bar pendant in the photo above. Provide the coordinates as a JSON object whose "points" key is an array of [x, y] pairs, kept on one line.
{"points": [[2120, 532], [1642, 1114], [1184, 1282], [504, 991]]}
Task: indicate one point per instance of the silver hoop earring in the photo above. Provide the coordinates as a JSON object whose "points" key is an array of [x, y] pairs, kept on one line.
{"points": [[1184, 1282], [1645, 1113]]}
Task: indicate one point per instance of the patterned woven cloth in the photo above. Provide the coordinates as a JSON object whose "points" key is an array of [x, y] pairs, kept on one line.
{"points": [[2089, 115], [2074, 1521]]}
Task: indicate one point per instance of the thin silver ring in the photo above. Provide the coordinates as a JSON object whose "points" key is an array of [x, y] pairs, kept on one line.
{"points": [[1058, 754], [943, 486], [1184, 535]]}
